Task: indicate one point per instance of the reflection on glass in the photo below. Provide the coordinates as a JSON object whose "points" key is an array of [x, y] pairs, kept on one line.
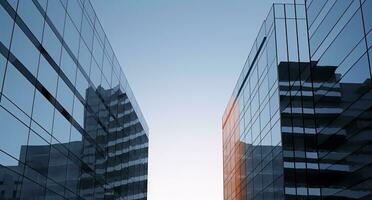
{"points": [[65, 132], [307, 131]]}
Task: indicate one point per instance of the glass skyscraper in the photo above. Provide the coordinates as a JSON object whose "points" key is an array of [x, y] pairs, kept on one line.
{"points": [[70, 127], [299, 123]]}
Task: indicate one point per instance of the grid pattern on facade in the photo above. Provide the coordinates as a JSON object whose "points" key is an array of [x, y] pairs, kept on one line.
{"points": [[70, 122], [323, 76], [251, 126]]}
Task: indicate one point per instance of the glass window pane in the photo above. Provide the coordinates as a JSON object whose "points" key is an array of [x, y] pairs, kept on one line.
{"points": [[11, 175], [75, 12], [6, 27], [71, 36], [97, 51], [42, 3], [16, 135], [95, 74], [47, 76], [84, 57], [61, 128], [79, 112], [68, 66], [81, 84], [107, 68], [32, 189], [367, 7], [32, 17], [13, 3], [292, 40], [56, 171], [25, 51], [51, 44], [65, 95], [15, 82], [281, 40], [37, 156], [40, 132], [359, 73], [276, 134], [75, 136], [2, 70], [303, 41], [342, 45], [43, 112], [87, 32], [89, 11], [56, 13]]}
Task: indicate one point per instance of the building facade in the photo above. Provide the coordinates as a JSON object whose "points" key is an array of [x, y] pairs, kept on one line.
{"points": [[70, 124], [298, 125]]}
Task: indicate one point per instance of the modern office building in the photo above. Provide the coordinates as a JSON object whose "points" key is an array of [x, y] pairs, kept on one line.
{"points": [[70, 127], [299, 125]]}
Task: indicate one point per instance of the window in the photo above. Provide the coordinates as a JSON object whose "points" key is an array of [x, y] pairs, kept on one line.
{"points": [[30, 189], [14, 137], [56, 13], [56, 172], [37, 129], [281, 40], [107, 68], [42, 3], [276, 134], [271, 53], [43, 112], [51, 44], [342, 45], [263, 89], [81, 84], [331, 26], [71, 36], [84, 57], [274, 103], [38, 155], [47, 76], [75, 12], [79, 112], [87, 32], [359, 73], [15, 82], [25, 51], [292, 40], [100, 33], [95, 74], [3, 62], [367, 7], [89, 11], [303, 44], [13, 3], [61, 128], [314, 10], [265, 116], [65, 95], [6, 27], [68, 66], [369, 39], [75, 136], [32, 17], [272, 74], [97, 51]]}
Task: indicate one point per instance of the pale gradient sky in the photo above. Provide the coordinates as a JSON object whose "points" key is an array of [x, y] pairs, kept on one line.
{"points": [[182, 60]]}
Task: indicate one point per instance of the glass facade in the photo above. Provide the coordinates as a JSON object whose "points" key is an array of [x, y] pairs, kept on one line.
{"points": [[298, 125], [70, 124]]}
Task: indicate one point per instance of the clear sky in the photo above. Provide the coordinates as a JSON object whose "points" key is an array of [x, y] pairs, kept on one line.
{"points": [[182, 59]]}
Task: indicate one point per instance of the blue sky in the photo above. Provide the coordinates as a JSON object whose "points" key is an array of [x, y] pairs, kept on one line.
{"points": [[182, 60]]}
